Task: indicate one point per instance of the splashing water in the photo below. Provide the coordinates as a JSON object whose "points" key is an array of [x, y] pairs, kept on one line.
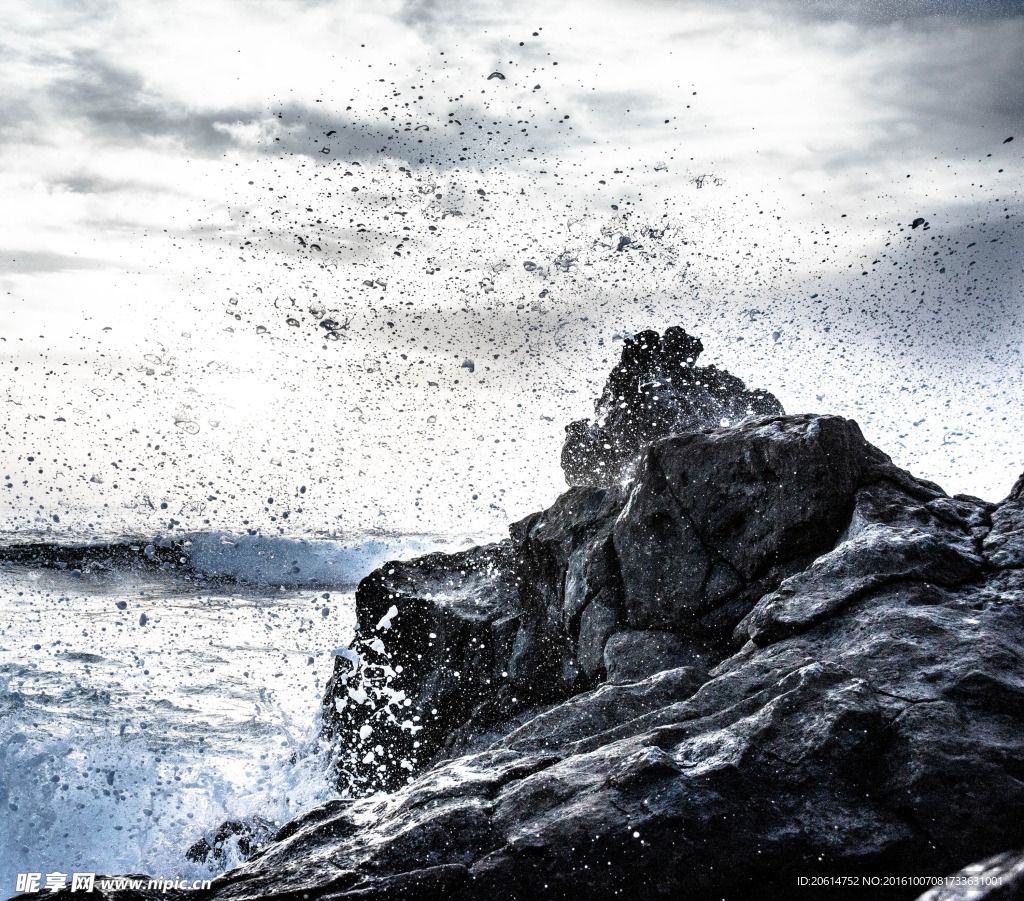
{"points": [[139, 710]]}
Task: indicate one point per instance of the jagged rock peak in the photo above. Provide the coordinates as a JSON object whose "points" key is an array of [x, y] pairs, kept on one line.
{"points": [[656, 390]]}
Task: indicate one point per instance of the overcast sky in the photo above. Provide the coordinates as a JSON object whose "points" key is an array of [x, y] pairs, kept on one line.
{"points": [[192, 189]]}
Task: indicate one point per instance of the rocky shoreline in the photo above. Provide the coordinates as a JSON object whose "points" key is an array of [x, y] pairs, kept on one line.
{"points": [[728, 657]]}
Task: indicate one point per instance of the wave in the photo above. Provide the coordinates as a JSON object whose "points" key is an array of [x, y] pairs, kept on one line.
{"points": [[221, 556], [88, 799], [261, 560]]}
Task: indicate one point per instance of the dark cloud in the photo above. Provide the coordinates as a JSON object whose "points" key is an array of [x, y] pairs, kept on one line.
{"points": [[115, 103], [466, 133], [946, 286], [958, 80], [118, 108], [886, 11]]}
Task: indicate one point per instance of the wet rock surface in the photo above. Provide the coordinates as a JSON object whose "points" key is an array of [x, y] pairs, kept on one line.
{"points": [[232, 839], [770, 653], [435, 638], [674, 557]]}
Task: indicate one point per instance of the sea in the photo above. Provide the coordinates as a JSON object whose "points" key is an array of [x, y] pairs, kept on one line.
{"points": [[151, 690]]}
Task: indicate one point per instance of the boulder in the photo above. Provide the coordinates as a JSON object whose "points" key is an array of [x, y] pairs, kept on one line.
{"points": [[714, 514], [434, 640], [232, 842]]}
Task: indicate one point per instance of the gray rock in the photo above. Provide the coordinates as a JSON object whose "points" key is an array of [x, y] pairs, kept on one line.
{"points": [[877, 555], [711, 512], [1004, 544], [596, 625], [883, 741], [636, 654], [868, 719]]}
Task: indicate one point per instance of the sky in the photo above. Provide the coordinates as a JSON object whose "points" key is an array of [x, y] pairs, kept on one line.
{"points": [[327, 268]]}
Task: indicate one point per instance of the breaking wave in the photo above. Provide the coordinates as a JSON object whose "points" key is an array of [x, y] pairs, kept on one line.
{"points": [[257, 560], [262, 560]]}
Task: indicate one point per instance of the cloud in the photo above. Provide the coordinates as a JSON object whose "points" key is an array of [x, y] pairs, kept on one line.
{"points": [[193, 144], [887, 11], [114, 106], [26, 262]]}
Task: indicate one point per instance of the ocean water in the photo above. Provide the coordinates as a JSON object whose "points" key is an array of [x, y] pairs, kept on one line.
{"points": [[140, 707]]}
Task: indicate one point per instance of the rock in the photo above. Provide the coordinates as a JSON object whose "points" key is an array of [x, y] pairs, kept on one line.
{"points": [[877, 555], [999, 878], [1004, 544], [478, 637], [687, 542], [566, 563], [884, 741], [232, 842], [435, 636], [636, 654], [867, 716], [767, 652], [574, 723], [656, 390], [596, 626]]}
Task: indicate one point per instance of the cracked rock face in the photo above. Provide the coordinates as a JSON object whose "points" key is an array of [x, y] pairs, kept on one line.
{"points": [[655, 391]]}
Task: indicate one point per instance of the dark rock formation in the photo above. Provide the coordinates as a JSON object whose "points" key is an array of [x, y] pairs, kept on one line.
{"points": [[769, 654], [480, 636], [868, 718], [436, 635], [656, 390]]}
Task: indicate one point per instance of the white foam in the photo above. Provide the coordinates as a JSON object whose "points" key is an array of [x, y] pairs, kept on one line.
{"points": [[121, 744], [385, 622], [96, 802]]}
